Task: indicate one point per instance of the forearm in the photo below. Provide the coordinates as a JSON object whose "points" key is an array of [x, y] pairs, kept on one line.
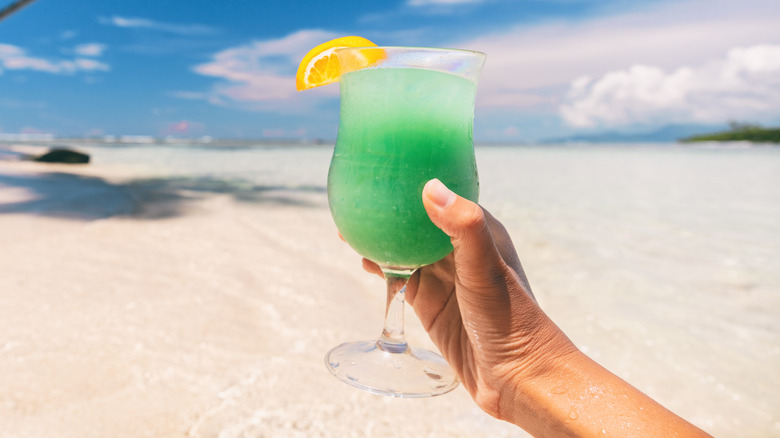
{"points": [[575, 396]]}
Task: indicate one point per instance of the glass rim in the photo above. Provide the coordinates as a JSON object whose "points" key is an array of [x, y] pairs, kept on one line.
{"points": [[460, 62], [415, 49]]}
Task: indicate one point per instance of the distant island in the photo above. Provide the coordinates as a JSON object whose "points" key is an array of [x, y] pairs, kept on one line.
{"points": [[739, 132]]}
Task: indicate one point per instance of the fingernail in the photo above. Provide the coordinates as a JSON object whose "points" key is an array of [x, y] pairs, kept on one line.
{"points": [[439, 193]]}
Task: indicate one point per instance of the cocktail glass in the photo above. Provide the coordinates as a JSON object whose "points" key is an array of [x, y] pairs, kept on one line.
{"points": [[405, 119]]}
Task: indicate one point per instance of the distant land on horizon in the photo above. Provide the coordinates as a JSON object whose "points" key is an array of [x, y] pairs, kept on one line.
{"points": [[733, 132], [739, 132], [666, 134]]}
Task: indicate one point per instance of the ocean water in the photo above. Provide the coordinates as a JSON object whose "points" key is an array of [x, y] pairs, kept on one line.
{"points": [[659, 261]]}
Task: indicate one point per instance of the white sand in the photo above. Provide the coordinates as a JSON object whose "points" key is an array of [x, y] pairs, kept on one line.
{"points": [[148, 294], [211, 322]]}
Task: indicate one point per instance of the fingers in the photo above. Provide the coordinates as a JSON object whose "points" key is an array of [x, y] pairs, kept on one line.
{"points": [[506, 248], [372, 268], [476, 255]]}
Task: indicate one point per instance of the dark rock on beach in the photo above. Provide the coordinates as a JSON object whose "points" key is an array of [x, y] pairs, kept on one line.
{"points": [[61, 155]]}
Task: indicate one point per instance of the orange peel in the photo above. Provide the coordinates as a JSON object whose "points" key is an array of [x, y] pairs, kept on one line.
{"points": [[321, 65]]}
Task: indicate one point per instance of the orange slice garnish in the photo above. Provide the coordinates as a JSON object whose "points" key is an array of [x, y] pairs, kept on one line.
{"points": [[321, 65]]}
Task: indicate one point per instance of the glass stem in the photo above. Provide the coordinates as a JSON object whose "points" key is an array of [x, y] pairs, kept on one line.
{"points": [[392, 339]]}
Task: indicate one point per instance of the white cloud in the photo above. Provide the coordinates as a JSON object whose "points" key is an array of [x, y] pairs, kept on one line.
{"points": [[7, 50], [15, 58], [532, 66], [262, 72], [145, 23], [85, 64], [529, 67], [743, 85], [90, 49]]}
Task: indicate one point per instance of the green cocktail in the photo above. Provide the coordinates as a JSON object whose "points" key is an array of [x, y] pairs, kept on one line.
{"points": [[405, 120], [399, 128]]}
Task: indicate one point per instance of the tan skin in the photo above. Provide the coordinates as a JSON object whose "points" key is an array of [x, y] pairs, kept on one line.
{"points": [[518, 366]]}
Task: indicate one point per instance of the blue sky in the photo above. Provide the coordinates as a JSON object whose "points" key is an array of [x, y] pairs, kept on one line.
{"points": [[226, 68]]}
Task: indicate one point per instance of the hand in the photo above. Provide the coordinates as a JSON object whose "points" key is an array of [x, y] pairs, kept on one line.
{"points": [[517, 365], [477, 305]]}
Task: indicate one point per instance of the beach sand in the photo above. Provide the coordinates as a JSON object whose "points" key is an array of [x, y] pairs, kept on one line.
{"points": [[138, 309], [136, 302]]}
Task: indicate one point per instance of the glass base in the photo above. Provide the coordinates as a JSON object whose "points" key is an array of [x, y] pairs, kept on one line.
{"points": [[410, 373]]}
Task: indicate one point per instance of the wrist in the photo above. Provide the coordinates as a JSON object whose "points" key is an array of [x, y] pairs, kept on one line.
{"points": [[538, 378]]}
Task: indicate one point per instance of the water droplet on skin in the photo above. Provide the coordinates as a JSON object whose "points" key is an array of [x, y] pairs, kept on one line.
{"points": [[573, 414]]}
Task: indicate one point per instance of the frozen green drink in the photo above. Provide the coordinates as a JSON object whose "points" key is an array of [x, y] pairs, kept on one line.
{"points": [[399, 128], [406, 118]]}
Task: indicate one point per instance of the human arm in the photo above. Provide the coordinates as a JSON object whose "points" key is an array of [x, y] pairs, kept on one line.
{"points": [[518, 366]]}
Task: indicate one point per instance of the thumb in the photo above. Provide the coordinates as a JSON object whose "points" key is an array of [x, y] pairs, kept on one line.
{"points": [[477, 260]]}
